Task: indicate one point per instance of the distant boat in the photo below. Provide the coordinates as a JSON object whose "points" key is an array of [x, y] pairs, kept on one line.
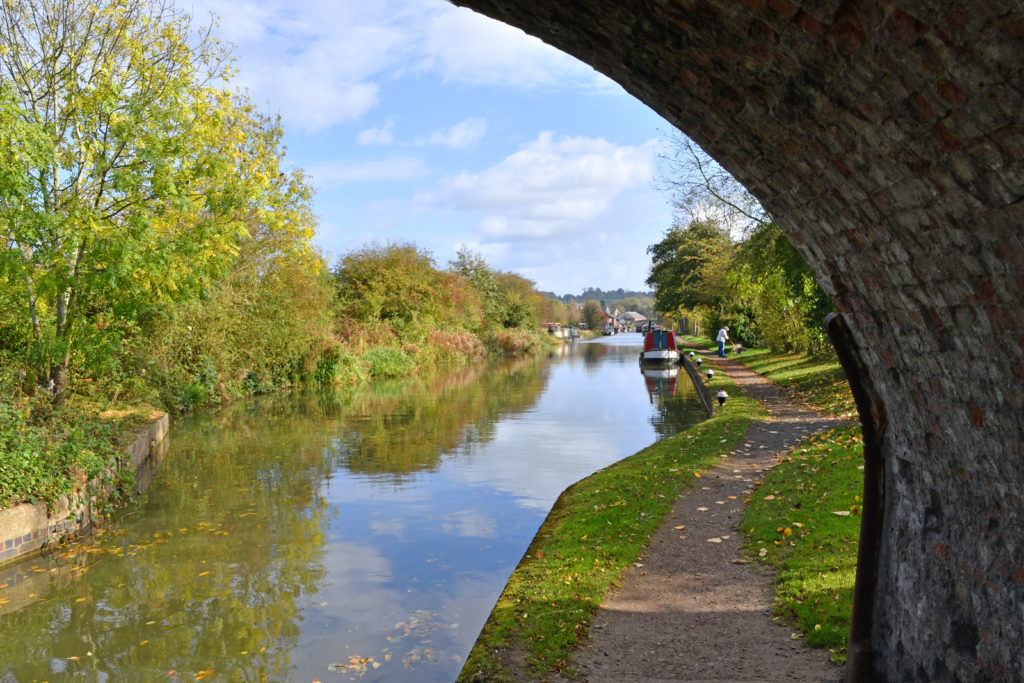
{"points": [[660, 347]]}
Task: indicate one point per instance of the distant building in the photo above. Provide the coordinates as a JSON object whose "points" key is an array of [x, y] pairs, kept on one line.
{"points": [[632, 320]]}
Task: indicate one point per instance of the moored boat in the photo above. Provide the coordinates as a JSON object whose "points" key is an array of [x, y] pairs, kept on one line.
{"points": [[659, 347]]}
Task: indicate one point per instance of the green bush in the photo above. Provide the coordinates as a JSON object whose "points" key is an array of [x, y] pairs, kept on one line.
{"points": [[42, 452], [387, 362]]}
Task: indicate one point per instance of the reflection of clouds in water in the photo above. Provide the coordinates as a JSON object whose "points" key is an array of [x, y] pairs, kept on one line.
{"points": [[391, 527], [509, 466], [343, 486], [571, 432], [349, 614], [352, 564], [468, 524]]}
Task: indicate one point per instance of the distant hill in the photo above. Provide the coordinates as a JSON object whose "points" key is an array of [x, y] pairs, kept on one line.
{"points": [[597, 294]]}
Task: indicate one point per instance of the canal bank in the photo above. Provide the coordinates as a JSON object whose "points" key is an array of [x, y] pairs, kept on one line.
{"points": [[364, 532], [28, 527], [687, 603]]}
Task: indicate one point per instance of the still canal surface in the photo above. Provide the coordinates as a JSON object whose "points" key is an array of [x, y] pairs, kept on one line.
{"points": [[354, 535]]}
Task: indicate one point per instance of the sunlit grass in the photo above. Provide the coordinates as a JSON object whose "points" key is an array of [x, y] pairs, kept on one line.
{"points": [[816, 380], [599, 526], [805, 521], [602, 523]]}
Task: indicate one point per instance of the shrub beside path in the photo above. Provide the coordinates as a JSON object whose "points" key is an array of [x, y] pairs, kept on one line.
{"points": [[692, 608]]}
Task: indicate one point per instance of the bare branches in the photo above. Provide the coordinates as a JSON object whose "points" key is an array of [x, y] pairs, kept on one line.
{"points": [[702, 190]]}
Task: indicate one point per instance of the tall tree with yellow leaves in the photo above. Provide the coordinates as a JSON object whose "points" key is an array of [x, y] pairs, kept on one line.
{"points": [[149, 173]]}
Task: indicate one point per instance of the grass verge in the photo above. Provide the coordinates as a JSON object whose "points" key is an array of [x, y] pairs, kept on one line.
{"points": [[599, 526], [805, 521], [816, 380]]}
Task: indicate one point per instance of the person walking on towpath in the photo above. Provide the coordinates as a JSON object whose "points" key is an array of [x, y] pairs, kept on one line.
{"points": [[723, 336]]}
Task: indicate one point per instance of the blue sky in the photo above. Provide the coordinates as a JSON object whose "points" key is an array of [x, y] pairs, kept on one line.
{"points": [[422, 122]]}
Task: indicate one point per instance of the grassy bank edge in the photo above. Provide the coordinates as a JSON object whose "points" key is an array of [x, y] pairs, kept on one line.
{"points": [[599, 525]]}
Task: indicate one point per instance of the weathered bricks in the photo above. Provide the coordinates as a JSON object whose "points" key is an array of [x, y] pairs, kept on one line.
{"points": [[888, 139]]}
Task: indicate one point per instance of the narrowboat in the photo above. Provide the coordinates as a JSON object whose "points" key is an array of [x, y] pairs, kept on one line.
{"points": [[660, 347]]}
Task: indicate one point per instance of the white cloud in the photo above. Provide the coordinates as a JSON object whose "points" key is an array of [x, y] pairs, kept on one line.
{"points": [[550, 186], [338, 173], [467, 47], [318, 64], [464, 134], [380, 135], [323, 62]]}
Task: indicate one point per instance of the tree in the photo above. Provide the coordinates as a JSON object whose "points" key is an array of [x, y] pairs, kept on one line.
{"points": [[148, 172], [393, 283], [688, 267], [593, 314], [267, 321], [763, 288], [642, 305], [770, 279], [520, 302], [509, 300], [704, 191], [475, 270]]}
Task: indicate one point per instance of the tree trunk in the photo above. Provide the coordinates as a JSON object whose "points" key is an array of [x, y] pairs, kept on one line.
{"points": [[60, 380]]}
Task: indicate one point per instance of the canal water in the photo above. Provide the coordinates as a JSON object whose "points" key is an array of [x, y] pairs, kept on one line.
{"points": [[352, 535]]}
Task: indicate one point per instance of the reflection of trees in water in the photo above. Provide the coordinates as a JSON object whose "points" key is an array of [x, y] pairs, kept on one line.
{"points": [[394, 427], [417, 426], [595, 353], [248, 533], [224, 552], [674, 398]]}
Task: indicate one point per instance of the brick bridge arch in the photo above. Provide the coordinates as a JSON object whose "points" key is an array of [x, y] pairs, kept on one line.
{"points": [[887, 137]]}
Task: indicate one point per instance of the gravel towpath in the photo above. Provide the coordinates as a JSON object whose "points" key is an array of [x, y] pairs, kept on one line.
{"points": [[695, 610]]}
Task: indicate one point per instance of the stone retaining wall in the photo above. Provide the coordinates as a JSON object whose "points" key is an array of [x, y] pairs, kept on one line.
{"points": [[27, 527]]}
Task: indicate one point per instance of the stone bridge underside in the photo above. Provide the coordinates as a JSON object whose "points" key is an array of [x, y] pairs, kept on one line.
{"points": [[886, 138]]}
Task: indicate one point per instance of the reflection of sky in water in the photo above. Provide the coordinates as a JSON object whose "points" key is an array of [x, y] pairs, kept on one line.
{"points": [[400, 570]]}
